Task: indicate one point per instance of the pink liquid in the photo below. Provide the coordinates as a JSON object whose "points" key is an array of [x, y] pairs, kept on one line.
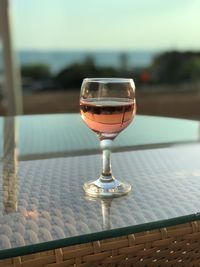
{"points": [[107, 116]]}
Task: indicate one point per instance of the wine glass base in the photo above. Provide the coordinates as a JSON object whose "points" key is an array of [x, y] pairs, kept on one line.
{"points": [[106, 188]]}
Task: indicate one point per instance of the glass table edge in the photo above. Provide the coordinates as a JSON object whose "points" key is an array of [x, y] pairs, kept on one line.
{"points": [[87, 238], [89, 152]]}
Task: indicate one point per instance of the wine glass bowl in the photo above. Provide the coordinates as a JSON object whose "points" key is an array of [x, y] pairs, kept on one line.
{"points": [[107, 106]]}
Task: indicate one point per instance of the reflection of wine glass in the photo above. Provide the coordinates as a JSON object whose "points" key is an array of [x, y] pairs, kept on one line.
{"points": [[107, 106], [105, 207]]}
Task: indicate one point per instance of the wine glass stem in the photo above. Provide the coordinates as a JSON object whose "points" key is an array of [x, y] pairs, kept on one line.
{"points": [[106, 145]]}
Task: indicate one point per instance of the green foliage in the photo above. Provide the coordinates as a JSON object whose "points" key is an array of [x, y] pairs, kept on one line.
{"points": [[71, 77], [36, 72], [168, 68], [176, 67], [190, 70]]}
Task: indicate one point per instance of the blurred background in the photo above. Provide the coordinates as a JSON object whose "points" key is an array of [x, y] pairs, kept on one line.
{"points": [[47, 47]]}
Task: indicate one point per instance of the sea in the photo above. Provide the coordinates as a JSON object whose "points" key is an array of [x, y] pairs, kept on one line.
{"points": [[57, 60]]}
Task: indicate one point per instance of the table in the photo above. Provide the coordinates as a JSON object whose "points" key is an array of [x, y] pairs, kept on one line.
{"points": [[46, 220]]}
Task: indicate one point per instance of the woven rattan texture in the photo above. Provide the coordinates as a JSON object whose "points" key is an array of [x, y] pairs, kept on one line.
{"points": [[50, 203], [167, 247]]}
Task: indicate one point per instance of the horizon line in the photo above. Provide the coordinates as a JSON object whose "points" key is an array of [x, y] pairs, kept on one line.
{"points": [[105, 50]]}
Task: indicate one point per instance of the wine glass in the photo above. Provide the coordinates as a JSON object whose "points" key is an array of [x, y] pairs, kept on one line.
{"points": [[107, 106]]}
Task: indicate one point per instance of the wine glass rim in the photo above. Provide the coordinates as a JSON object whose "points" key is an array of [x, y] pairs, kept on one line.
{"points": [[105, 80]]}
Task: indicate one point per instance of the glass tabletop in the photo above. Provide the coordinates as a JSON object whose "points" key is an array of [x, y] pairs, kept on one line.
{"points": [[44, 136], [46, 159]]}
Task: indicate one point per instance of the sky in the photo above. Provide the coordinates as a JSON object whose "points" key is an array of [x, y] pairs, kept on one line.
{"points": [[106, 24]]}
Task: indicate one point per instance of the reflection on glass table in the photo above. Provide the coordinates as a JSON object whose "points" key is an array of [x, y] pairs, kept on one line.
{"points": [[9, 162], [42, 203], [65, 135]]}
